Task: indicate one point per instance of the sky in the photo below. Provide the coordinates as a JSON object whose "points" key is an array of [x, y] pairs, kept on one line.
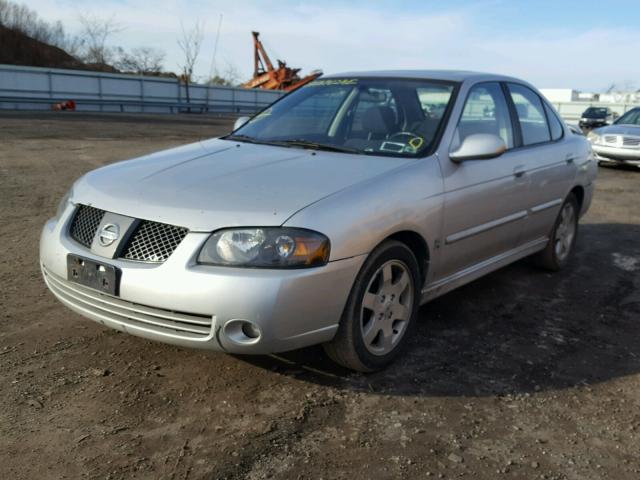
{"points": [[586, 45]]}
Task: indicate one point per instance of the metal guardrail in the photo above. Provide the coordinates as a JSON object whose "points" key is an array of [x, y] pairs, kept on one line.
{"points": [[127, 106], [29, 88]]}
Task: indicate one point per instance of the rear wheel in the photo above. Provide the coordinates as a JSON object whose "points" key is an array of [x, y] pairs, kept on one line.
{"points": [[380, 310], [563, 237]]}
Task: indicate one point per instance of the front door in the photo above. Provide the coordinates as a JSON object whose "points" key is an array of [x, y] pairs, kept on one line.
{"points": [[485, 200]]}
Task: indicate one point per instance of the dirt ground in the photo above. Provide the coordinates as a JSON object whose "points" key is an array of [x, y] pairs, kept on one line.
{"points": [[522, 374]]}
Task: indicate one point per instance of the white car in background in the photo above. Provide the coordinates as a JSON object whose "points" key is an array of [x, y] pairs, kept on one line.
{"points": [[619, 143]]}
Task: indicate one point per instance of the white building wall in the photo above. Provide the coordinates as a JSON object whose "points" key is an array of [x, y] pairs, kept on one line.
{"points": [[560, 94]]}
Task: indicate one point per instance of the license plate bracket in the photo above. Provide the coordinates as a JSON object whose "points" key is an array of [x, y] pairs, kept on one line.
{"points": [[92, 274]]}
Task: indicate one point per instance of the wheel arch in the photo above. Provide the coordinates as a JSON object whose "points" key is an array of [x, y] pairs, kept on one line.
{"points": [[418, 246], [578, 192]]}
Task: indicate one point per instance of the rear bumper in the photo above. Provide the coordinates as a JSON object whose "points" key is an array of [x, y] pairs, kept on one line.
{"points": [[186, 304]]}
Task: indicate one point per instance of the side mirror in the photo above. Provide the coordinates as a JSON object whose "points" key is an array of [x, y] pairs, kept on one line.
{"points": [[479, 146], [240, 121]]}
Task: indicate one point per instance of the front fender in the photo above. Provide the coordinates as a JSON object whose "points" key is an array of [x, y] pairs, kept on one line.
{"points": [[360, 217]]}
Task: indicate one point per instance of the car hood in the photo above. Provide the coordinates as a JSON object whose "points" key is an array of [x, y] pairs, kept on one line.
{"points": [[619, 130], [218, 183]]}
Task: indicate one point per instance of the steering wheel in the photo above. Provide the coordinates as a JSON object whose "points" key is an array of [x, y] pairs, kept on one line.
{"points": [[412, 141]]}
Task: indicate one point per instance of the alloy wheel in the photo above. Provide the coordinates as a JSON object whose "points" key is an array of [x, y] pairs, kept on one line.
{"points": [[386, 307], [565, 232]]}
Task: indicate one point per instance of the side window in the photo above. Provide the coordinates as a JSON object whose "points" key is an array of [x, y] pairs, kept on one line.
{"points": [[434, 100], [554, 124], [485, 111], [533, 121]]}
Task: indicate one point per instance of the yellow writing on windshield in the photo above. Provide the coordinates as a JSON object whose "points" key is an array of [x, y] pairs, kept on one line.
{"points": [[416, 142], [333, 81]]}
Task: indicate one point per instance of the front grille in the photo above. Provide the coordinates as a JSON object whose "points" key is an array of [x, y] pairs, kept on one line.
{"points": [[631, 141], [150, 241], [85, 224], [153, 242], [611, 139], [169, 323]]}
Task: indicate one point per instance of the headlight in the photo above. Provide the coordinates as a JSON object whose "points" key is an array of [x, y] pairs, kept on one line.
{"points": [[63, 204], [593, 137], [269, 247]]}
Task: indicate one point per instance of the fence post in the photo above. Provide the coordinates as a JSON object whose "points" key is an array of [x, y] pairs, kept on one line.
{"points": [[141, 94], [179, 92], [100, 96], [50, 83]]}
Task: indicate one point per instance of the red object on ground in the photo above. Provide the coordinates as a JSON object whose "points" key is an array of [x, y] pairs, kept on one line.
{"points": [[66, 105]]}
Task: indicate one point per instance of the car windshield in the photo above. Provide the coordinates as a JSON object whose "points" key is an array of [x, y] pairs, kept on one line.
{"points": [[356, 115], [632, 117], [595, 112]]}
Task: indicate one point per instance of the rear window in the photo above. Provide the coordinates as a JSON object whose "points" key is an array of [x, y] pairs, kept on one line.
{"points": [[596, 112]]}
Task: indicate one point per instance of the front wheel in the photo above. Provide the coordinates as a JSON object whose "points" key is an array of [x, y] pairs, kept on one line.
{"points": [[563, 237], [380, 310]]}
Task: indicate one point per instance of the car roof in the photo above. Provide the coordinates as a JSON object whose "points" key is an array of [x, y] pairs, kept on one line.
{"points": [[447, 75]]}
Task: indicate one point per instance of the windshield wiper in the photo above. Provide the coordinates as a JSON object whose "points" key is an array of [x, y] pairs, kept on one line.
{"points": [[292, 143], [242, 138], [315, 146]]}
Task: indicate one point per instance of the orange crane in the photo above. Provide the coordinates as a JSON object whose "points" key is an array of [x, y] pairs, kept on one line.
{"points": [[266, 76]]}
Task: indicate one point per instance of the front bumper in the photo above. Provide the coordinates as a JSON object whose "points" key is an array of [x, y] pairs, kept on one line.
{"points": [[592, 123], [629, 156], [187, 304]]}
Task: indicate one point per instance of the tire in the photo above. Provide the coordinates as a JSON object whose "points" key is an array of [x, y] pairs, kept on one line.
{"points": [[563, 236], [383, 303]]}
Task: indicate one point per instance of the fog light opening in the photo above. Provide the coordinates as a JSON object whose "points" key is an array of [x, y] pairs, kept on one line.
{"points": [[242, 332], [250, 330]]}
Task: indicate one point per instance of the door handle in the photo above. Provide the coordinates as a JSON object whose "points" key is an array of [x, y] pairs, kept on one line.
{"points": [[519, 172], [570, 159]]}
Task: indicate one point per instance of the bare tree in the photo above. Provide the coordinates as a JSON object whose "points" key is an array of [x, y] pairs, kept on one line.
{"points": [[219, 80], [141, 60], [232, 74], [229, 78], [190, 43], [95, 35]]}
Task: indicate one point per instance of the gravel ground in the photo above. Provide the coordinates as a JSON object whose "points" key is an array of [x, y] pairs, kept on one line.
{"points": [[522, 374]]}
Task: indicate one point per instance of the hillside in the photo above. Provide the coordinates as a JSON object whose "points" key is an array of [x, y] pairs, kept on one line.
{"points": [[19, 49]]}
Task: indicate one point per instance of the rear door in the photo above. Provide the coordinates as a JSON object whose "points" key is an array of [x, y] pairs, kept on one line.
{"points": [[485, 200], [548, 160]]}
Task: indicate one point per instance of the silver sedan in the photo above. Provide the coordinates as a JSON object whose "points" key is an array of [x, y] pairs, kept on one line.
{"points": [[618, 143], [329, 217]]}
